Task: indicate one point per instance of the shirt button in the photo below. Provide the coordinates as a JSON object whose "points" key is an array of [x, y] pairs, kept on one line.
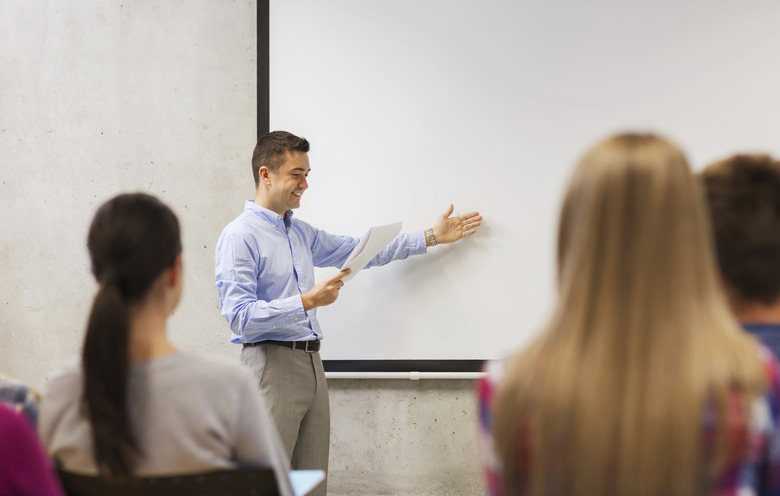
{"points": [[274, 327], [296, 318]]}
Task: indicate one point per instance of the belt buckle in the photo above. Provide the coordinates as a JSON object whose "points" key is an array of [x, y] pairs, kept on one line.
{"points": [[307, 347]]}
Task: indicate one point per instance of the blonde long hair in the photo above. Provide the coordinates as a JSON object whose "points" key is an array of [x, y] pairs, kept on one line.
{"points": [[610, 398]]}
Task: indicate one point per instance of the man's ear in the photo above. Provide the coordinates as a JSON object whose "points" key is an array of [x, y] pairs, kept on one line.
{"points": [[264, 174]]}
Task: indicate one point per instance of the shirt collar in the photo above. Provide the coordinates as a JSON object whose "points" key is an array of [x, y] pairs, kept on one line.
{"points": [[269, 215]]}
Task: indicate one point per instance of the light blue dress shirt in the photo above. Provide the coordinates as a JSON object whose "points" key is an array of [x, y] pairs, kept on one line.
{"points": [[265, 261]]}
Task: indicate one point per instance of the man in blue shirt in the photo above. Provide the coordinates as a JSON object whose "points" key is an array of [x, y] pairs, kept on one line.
{"points": [[743, 193], [265, 261]]}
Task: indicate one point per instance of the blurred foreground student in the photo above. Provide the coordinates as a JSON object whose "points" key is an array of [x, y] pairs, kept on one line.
{"points": [[20, 397], [743, 193], [25, 470], [135, 405], [641, 383]]}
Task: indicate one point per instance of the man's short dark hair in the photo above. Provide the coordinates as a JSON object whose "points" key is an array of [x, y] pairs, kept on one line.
{"points": [[271, 151], [743, 193]]}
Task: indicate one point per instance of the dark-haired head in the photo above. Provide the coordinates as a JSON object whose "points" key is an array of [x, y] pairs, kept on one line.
{"points": [[743, 193], [133, 237], [272, 149], [132, 240]]}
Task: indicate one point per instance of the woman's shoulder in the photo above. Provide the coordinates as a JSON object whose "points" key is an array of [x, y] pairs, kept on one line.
{"points": [[65, 378], [211, 374], [495, 369], [194, 365], [771, 374], [769, 360], [493, 374], [201, 382]]}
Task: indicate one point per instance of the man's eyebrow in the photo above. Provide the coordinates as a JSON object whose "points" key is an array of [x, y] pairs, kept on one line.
{"points": [[300, 169]]}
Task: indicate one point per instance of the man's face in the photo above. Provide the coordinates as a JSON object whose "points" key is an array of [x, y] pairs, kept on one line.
{"points": [[288, 183]]}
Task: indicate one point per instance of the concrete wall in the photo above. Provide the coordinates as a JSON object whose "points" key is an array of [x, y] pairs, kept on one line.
{"points": [[98, 97], [403, 437], [103, 96]]}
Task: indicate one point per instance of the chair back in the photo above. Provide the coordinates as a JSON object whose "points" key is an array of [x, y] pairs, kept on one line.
{"points": [[231, 482]]}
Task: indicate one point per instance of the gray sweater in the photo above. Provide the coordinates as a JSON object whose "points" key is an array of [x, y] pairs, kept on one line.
{"points": [[189, 413]]}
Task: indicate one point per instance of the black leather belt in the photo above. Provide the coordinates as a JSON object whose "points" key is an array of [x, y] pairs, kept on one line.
{"points": [[310, 346]]}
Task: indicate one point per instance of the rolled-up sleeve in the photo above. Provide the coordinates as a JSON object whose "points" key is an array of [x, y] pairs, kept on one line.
{"points": [[236, 279], [402, 246]]}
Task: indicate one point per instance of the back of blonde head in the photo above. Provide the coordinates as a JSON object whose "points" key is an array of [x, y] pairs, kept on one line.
{"points": [[612, 392]]}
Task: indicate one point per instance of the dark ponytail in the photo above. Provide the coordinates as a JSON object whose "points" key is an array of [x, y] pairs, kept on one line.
{"points": [[132, 240]]}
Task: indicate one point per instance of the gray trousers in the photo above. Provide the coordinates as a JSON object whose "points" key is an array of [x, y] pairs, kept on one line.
{"points": [[293, 383]]}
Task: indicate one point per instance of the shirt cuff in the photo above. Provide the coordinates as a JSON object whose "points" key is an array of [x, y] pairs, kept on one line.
{"points": [[417, 245]]}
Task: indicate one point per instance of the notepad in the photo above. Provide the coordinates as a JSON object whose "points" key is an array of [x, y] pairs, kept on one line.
{"points": [[304, 481]]}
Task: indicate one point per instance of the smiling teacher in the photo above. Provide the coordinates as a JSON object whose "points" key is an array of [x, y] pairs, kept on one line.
{"points": [[265, 261]]}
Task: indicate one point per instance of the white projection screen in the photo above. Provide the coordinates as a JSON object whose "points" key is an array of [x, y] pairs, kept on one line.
{"points": [[410, 105]]}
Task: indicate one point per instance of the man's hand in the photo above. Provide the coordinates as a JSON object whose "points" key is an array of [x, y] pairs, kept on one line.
{"points": [[325, 292], [449, 229]]}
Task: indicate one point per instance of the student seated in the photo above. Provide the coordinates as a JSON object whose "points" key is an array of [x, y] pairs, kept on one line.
{"points": [[641, 382], [135, 405], [25, 470], [20, 397], [743, 193]]}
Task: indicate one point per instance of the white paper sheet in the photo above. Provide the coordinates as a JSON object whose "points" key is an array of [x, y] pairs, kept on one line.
{"points": [[370, 244]]}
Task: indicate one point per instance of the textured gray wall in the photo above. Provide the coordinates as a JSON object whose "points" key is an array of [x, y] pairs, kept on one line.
{"points": [[99, 97], [403, 437], [103, 96]]}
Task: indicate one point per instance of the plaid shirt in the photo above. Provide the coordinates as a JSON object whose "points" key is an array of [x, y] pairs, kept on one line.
{"points": [[753, 467], [21, 398]]}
